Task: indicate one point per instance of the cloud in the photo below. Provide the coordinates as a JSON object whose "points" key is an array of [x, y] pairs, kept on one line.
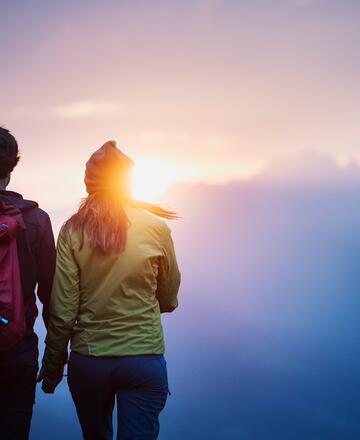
{"points": [[83, 109], [311, 167], [88, 109]]}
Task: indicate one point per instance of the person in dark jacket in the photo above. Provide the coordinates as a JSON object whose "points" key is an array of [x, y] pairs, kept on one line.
{"points": [[36, 252]]}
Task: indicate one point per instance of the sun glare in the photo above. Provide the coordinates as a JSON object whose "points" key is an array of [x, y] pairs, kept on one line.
{"points": [[151, 177]]}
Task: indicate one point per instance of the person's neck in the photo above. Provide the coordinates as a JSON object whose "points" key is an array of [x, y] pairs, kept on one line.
{"points": [[3, 184]]}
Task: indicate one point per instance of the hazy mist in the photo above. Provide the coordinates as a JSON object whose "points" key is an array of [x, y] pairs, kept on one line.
{"points": [[265, 342]]}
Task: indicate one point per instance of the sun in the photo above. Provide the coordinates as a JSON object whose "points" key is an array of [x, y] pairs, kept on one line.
{"points": [[151, 177]]}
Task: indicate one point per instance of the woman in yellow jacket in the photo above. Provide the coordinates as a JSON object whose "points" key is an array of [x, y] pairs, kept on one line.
{"points": [[116, 272]]}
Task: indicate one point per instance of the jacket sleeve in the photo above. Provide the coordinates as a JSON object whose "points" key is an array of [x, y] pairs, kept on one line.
{"points": [[64, 307], [46, 266], [168, 279]]}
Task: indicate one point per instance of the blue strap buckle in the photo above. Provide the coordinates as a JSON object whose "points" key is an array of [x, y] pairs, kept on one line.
{"points": [[4, 320]]}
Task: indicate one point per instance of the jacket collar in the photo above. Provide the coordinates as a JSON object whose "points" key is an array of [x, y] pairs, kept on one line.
{"points": [[11, 193]]}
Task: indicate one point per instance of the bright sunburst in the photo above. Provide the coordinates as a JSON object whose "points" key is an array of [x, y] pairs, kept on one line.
{"points": [[151, 177]]}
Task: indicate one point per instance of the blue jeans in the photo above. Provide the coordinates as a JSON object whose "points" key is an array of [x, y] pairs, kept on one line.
{"points": [[139, 384]]}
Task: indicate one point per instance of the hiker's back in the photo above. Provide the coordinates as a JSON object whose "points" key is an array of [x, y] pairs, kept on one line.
{"points": [[118, 311], [36, 257]]}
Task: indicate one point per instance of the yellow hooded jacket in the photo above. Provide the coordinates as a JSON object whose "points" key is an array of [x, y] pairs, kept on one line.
{"points": [[110, 305]]}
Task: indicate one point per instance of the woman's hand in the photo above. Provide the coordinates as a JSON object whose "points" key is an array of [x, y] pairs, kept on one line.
{"points": [[49, 384]]}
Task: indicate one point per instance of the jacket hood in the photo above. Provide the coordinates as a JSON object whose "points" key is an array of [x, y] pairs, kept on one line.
{"points": [[15, 199]]}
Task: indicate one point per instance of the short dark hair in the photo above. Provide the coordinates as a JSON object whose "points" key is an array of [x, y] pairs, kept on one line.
{"points": [[9, 152]]}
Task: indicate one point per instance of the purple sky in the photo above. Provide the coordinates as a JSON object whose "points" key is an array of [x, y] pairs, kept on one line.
{"points": [[214, 89]]}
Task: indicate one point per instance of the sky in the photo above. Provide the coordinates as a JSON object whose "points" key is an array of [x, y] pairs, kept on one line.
{"points": [[201, 91]]}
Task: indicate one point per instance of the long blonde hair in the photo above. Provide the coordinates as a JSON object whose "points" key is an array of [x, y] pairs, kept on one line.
{"points": [[103, 218]]}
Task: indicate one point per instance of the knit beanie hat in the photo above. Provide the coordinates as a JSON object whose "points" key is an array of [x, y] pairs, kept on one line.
{"points": [[105, 168]]}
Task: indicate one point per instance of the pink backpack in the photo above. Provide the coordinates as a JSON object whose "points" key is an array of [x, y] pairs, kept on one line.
{"points": [[12, 309]]}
